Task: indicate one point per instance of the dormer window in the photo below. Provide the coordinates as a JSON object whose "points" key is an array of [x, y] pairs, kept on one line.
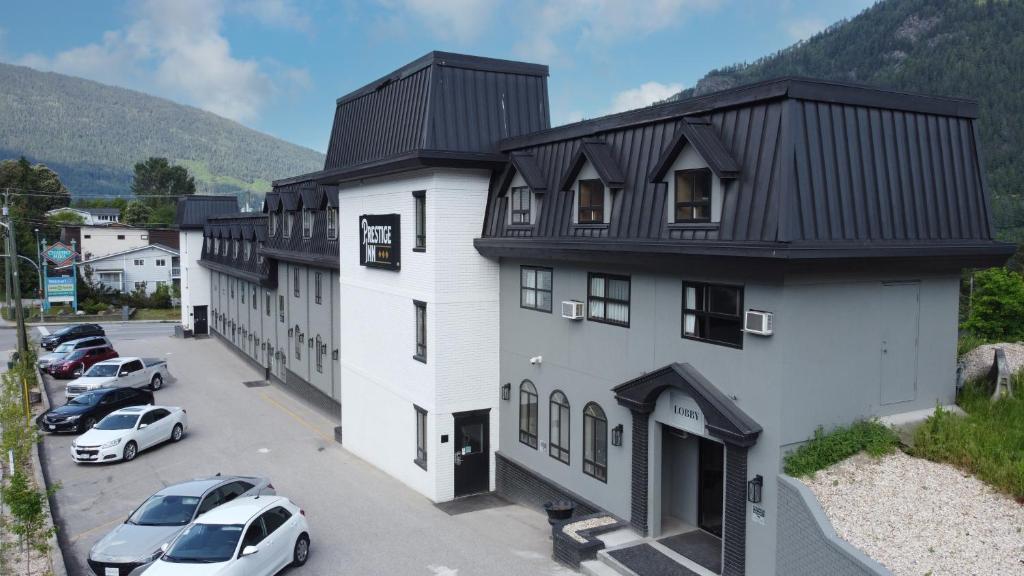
{"points": [[234, 249], [273, 223], [521, 205], [289, 220], [332, 223], [248, 250], [591, 202], [693, 196], [307, 223]]}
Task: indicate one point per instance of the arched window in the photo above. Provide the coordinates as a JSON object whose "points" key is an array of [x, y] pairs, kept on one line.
{"points": [[528, 414], [558, 431], [595, 442]]}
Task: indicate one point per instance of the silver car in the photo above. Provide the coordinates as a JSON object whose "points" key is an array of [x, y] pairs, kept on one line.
{"points": [[131, 547], [62, 351]]}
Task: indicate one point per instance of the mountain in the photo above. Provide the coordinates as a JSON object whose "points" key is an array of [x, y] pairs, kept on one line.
{"points": [[92, 135], [964, 48]]}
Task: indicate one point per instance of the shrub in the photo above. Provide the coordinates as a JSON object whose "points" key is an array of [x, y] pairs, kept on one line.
{"points": [[997, 308], [826, 449]]}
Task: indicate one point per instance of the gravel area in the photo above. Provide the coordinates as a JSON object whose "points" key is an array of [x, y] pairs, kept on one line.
{"points": [[978, 362], [571, 530], [921, 518]]}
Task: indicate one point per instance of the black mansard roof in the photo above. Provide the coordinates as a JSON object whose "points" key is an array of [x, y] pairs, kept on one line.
{"points": [[193, 211], [811, 170], [240, 226], [290, 199], [442, 109]]}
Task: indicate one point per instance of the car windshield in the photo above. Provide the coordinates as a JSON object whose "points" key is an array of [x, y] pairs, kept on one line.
{"points": [[87, 399], [118, 422], [77, 354], [102, 370], [205, 544], [165, 511]]}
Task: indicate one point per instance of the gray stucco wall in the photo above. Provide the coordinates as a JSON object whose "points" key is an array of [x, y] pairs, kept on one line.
{"points": [[820, 368], [808, 545]]}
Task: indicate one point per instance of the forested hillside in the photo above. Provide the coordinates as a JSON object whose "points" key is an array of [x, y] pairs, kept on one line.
{"points": [[965, 48], [92, 135]]}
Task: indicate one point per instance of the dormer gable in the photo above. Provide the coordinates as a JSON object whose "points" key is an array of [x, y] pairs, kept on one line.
{"points": [[700, 134], [598, 154]]}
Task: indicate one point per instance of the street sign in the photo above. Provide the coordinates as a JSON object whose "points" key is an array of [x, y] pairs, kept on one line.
{"points": [[60, 254], [60, 289]]}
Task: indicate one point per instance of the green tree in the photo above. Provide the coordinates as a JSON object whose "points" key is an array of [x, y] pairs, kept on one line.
{"points": [[137, 213], [997, 307], [66, 218], [160, 183], [34, 190]]}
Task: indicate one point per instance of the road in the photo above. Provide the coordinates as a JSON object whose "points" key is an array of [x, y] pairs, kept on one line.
{"points": [[362, 520]]}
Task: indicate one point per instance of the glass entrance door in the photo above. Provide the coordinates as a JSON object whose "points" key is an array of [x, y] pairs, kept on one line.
{"points": [[710, 486]]}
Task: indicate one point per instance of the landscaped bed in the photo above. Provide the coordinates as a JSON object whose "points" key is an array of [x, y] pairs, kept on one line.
{"points": [[920, 518]]}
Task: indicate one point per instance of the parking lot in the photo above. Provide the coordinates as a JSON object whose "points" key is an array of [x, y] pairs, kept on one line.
{"points": [[362, 521]]}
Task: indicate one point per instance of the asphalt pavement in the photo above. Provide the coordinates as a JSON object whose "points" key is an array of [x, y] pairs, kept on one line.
{"points": [[362, 521]]}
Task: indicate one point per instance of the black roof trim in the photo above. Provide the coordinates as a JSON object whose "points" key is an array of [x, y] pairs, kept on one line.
{"points": [[701, 134], [722, 416], [268, 281], [193, 211], [983, 253], [791, 86], [411, 161], [320, 260], [224, 218], [600, 154], [453, 60]]}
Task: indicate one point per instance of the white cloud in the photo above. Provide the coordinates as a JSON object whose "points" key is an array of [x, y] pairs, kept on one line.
{"points": [[598, 21], [646, 94], [804, 28], [174, 49], [459, 20], [281, 13]]}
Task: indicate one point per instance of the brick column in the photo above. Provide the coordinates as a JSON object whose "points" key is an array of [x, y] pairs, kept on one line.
{"points": [[734, 534], [638, 507]]}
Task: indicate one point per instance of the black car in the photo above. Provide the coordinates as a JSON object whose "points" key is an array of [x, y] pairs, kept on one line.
{"points": [[72, 332], [82, 412]]}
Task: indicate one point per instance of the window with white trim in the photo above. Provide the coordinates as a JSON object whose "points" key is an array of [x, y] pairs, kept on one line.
{"points": [[332, 223], [521, 205], [307, 223]]}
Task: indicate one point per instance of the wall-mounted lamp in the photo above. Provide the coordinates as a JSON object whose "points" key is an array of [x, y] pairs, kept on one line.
{"points": [[334, 355], [506, 391], [617, 435], [754, 489]]}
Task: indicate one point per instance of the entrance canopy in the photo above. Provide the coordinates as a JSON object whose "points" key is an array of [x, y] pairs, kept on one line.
{"points": [[723, 418]]}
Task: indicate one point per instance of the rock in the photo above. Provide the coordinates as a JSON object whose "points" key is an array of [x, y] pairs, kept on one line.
{"points": [[978, 362]]}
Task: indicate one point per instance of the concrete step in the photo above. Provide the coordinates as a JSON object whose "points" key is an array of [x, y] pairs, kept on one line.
{"points": [[617, 567], [599, 568]]}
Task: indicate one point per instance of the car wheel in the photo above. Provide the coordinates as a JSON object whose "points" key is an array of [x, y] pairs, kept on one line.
{"points": [[86, 425], [156, 383], [301, 553], [131, 450], [177, 433]]}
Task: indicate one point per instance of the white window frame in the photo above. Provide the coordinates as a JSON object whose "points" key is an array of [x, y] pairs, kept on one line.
{"points": [[690, 159], [588, 172], [139, 262], [160, 262], [307, 223], [332, 223]]}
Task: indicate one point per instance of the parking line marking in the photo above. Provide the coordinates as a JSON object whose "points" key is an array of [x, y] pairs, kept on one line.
{"points": [[95, 528], [298, 418], [43, 330]]}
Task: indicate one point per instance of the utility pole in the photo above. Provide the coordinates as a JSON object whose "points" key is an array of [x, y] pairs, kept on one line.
{"points": [[7, 267], [12, 264], [39, 261]]}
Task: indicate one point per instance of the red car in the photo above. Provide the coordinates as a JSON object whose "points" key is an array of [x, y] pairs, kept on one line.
{"points": [[76, 363]]}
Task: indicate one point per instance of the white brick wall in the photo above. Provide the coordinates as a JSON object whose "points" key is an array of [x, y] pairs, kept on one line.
{"points": [[380, 379]]}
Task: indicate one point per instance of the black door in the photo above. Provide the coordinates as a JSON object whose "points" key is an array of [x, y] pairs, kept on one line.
{"points": [[472, 452], [199, 320], [710, 483]]}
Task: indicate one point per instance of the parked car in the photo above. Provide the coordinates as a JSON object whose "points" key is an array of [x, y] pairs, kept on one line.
{"points": [[122, 434], [72, 332], [123, 372], [247, 537], [136, 543], [82, 413], [77, 362], [60, 352]]}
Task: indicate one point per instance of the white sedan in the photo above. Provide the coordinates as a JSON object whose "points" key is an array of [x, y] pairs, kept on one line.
{"points": [[253, 536], [122, 434]]}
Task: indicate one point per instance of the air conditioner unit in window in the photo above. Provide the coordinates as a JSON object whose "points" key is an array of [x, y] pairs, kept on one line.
{"points": [[758, 322], [572, 309]]}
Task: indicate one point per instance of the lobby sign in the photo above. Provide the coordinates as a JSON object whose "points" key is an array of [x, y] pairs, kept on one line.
{"points": [[60, 289], [380, 241], [680, 411]]}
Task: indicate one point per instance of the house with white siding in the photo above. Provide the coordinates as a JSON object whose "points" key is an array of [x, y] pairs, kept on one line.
{"points": [[145, 267]]}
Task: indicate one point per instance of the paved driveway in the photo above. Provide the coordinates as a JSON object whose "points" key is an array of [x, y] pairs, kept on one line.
{"points": [[362, 521]]}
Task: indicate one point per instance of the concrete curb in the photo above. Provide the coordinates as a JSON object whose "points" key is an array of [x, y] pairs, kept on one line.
{"points": [[34, 324], [56, 554]]}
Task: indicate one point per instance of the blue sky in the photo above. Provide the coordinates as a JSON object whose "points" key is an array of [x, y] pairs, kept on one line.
{"points": [[278, 65]]}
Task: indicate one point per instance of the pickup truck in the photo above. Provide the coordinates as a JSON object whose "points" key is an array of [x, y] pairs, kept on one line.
{"points": [[123, 372]]}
